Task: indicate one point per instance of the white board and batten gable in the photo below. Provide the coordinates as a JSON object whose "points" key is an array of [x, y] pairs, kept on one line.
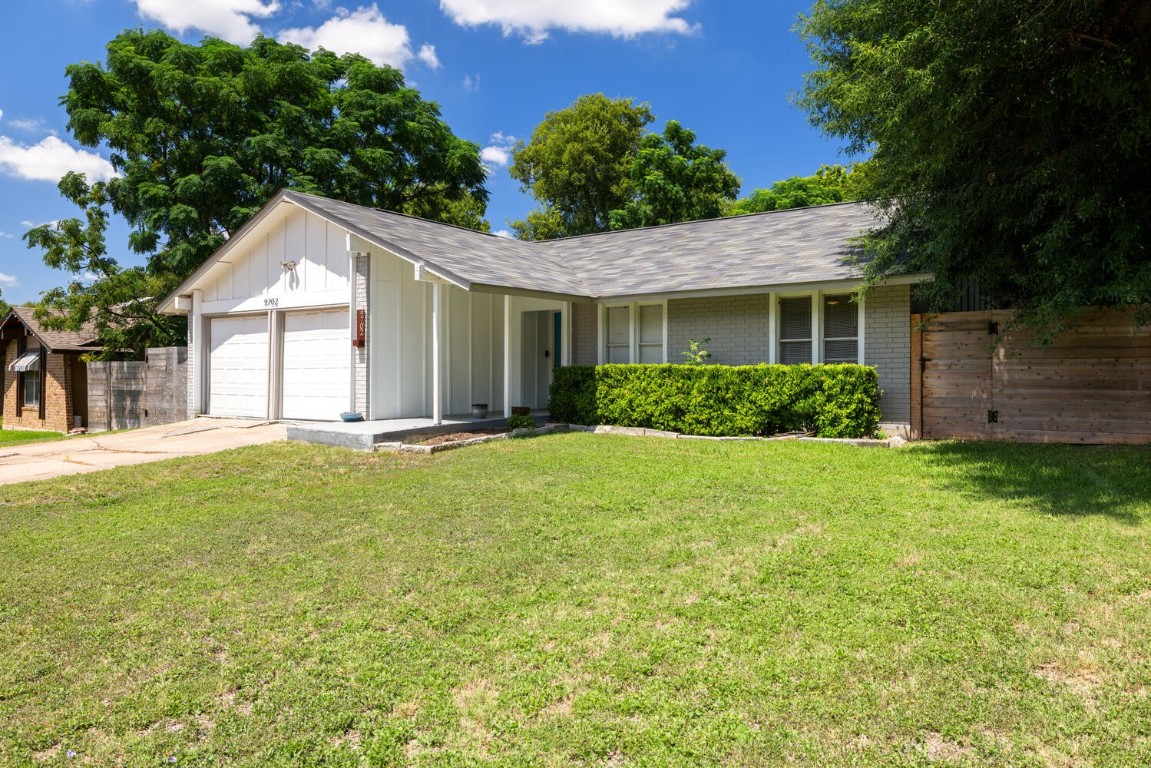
{"points": [[295, 260], [272, 319]]}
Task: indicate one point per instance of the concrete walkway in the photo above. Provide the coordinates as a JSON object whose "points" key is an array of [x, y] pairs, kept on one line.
{"points": [[39, 461]]}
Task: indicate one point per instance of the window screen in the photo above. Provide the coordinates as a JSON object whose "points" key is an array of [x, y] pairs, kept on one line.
{"points": [[651, 333], [795, 330], [840, 329], [618, 335], [31, 387]]}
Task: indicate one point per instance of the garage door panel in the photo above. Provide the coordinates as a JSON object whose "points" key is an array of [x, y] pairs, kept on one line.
{"points": [[317, 364], [238, 367]]}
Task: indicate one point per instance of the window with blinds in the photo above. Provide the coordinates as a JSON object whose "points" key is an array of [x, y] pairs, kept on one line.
{"points": [[651, 333], [618, 335], [795, 330], [840, 329]]}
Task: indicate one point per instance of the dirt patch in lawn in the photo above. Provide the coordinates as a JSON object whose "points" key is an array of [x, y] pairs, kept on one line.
{"points": [[454, 437]]}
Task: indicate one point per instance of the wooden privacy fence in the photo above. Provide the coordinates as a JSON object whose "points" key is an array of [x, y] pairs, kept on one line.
{"points": [[142, 393], [973, 378]]}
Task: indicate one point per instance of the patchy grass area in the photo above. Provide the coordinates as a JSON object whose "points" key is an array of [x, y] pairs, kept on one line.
{"points": [[584, 600], [17, 436]]}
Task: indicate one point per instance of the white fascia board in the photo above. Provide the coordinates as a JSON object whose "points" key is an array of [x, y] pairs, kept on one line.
{"points": [[825, 285], [529, 293]]}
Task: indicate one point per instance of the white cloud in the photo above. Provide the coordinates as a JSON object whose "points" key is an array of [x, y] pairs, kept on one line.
{"points": [[497, 156], [472, 83], [7, 235], [32, 125], [32, 224], [1, 114], [428, 56], [230, 20], [50, 160], [8, 281], [498, 153], [533, 19], [504, 233], [364, 31]]}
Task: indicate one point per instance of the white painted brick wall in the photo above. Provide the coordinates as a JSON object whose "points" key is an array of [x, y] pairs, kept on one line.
{"points": [[887, 346], [736, 325], [192, 372], [360, 368], [585, 334]]}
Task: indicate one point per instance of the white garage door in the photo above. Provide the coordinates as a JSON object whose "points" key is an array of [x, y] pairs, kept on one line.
{"points": [[238, 378], [317, 364]]}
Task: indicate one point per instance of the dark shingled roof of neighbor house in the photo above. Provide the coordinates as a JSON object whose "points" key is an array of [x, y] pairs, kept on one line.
{"points": [[796, 246], [84, 340]]}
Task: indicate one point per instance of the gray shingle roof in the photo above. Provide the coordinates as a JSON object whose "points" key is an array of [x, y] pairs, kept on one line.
{"points": [[763, 250], [84, 340], [802, 245], [470, 256]]}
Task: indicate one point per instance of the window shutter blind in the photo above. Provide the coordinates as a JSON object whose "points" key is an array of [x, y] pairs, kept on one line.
{"points": [[795, 330], [840, 329], [651, 333], [618, 335]]}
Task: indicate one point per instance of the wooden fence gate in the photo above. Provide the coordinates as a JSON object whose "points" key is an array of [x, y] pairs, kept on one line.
{"points": [[973, 378]]}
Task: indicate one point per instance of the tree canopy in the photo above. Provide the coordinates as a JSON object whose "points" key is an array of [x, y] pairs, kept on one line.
{"points": [[830, 184], [1009, 141], [201, 136], [674, 179], [592, 168], [577, 165]]}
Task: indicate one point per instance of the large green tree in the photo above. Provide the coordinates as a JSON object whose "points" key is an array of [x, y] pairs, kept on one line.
{"points": [[203, 135], [830, 184], [1010, 141], [674, 179], [577, 165]]}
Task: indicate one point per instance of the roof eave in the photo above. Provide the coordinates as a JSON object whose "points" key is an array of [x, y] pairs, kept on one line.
{"points": [[849, 283]]}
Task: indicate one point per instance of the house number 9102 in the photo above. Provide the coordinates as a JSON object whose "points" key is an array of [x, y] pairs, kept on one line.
{"points": [[271, 302]]}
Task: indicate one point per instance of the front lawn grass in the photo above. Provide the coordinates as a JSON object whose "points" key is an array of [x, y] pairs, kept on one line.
{"points": [[583, 600], [17, 436]]}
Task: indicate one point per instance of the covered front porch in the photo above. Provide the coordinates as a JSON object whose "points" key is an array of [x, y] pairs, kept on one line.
{"points": [[438, 350]]}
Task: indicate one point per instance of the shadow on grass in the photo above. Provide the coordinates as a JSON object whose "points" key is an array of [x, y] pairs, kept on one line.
{"points": [[1055, 479]]}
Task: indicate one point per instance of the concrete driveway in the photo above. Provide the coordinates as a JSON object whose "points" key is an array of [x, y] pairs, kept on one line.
{"points": [[38, 461]]}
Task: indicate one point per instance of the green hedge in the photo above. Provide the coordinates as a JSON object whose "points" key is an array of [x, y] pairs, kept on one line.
{"points": [[832, 400]]}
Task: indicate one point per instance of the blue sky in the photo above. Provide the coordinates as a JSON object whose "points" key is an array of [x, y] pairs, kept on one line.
{"points": [[724, 69]]}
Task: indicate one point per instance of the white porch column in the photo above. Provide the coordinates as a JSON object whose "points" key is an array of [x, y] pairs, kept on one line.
{"points": [[437, 366], [507, 356]]}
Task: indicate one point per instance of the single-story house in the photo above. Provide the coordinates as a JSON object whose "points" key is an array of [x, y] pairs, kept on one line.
{"points": [[45, 381], [317, 307]]}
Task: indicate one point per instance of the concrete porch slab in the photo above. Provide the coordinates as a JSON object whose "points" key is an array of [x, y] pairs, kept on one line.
{"points": [[363, 435]]}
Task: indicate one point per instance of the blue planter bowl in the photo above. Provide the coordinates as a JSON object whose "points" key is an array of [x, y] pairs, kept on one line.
{"points": [[352, 416]]}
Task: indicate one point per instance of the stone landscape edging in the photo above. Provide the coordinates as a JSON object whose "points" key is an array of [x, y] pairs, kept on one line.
{"points": [[607, 429]]}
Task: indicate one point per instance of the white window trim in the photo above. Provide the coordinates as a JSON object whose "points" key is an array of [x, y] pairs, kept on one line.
{"points": [[633, 329], [817, 353]]}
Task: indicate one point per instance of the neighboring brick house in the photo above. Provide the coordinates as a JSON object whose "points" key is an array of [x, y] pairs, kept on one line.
{"points": [[45, 380], [319, 307]]}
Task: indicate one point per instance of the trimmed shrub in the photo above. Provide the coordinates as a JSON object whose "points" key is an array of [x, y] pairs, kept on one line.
{"points": [[831, 400], [572, 394], [520, 421]]}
